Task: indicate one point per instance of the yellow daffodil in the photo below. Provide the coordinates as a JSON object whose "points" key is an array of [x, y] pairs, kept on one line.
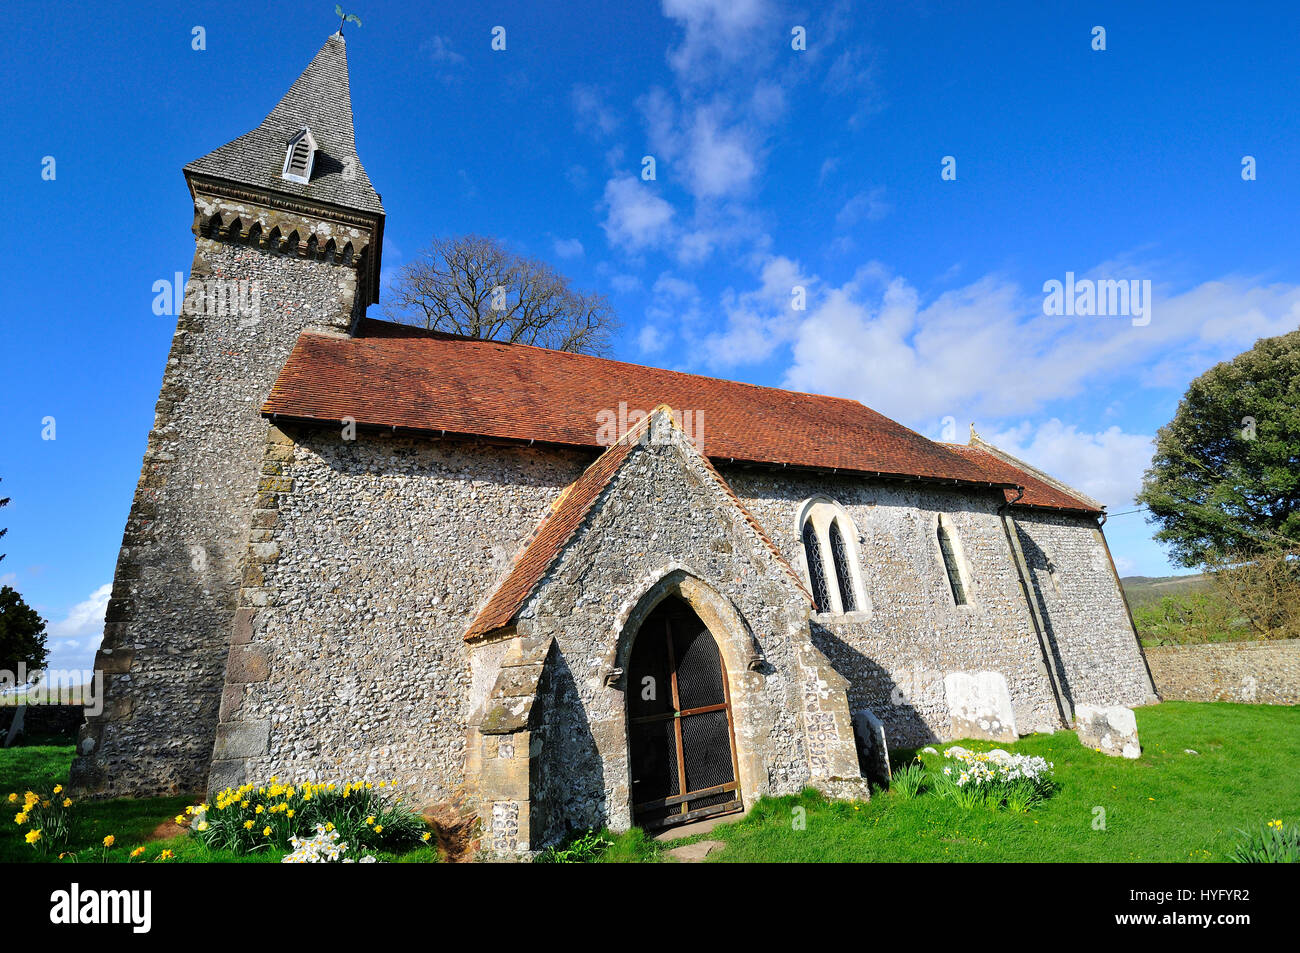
{"points": [[180, 818], [137, 852], [166, 855], [67, 802], [202, 826], [33, 836], [13, 798], [370, 821], [425, 836], [110, 840], [58, 788], [20, 818], [266, 831], [248, 825], [379, 828]]}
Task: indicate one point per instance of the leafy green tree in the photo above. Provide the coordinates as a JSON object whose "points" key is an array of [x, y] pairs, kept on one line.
{"points": [[22, 633], [1225, 478]]}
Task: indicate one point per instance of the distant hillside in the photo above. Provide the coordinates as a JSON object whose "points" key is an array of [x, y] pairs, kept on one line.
{"points": [[1148, 590]]}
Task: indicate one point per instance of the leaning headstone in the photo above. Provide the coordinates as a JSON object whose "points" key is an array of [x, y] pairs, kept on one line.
{"points": [[15, 726], [1112, 730], [979, 704], [873, 751]]}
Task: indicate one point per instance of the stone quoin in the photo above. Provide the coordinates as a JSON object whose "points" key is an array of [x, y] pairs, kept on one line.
{"points": [[361, 549]]}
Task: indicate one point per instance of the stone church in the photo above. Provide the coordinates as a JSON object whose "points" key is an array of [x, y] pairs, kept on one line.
{"points": [[549, 589]]}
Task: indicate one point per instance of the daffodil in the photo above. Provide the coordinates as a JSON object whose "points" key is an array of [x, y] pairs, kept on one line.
{"points": [[33, 836], [110, 840]]}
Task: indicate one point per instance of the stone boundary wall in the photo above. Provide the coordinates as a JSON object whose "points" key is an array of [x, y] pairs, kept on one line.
{"points": [[1266, 673], [44, 721]]}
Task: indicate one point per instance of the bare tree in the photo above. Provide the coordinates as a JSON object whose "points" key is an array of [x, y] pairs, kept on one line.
{"points": [[1264, 588], [473, 286]]}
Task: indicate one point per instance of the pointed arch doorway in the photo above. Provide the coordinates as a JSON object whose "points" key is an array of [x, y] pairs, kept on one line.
{"points": [[682, 748]]}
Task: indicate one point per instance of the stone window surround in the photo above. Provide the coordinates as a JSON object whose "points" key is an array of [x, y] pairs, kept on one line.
{"points": [[822, 511], [963, 565]]}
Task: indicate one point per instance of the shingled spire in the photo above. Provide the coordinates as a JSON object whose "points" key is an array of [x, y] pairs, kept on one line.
{"points": [[321, 101], [301, 160]]}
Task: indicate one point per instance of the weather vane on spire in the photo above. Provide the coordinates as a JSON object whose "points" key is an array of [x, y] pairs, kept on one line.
{"points": [[345, 18]]}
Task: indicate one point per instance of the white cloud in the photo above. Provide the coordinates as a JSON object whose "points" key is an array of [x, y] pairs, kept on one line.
{"points": [[715, 33], [720, 160], [1107, 466], [760, 320], [868, 206], [568, 247], [636, 217], [594, 114], [86, 618], [438, 49], [651, 340], [987, 350]]}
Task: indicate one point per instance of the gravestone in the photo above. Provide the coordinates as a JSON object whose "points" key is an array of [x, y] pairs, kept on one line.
{"points": [[979, 704], [873, 751], [1112, 730]]}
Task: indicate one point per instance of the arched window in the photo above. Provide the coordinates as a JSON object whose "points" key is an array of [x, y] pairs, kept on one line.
{"points": [[951, 564], [841, 561], [299, 157], [830, 549], [816, 573]]}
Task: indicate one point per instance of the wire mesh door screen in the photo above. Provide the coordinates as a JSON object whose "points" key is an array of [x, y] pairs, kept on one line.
{"points": [[679, 714]]}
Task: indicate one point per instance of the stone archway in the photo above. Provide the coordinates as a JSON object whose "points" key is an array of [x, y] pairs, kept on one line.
{"points": [[740, 660], [681, 747]]}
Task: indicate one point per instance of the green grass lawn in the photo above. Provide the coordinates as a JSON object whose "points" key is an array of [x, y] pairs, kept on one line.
{"points": [[133, 823], [1165, 806]]}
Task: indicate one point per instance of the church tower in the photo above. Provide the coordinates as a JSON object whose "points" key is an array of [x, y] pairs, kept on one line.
{"points": [[288, 231]]}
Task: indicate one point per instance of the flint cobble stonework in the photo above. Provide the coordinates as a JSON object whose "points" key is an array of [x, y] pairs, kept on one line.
{"points": [[353, 663], [1266, 673], [896, 655], [1079, 598], [665, 516], [169, 617]]}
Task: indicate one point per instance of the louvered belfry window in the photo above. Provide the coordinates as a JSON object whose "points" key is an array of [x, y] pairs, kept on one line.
{"points": [[816, 571], [951, 566], [841, 559], [300, 156]]}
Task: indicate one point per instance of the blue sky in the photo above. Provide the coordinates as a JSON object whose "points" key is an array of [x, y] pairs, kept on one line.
{"points": [[775, 168]]}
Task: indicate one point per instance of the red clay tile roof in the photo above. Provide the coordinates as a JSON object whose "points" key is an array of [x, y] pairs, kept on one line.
{"points": [[567, 514], [1038, 493], [393, 375]]}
